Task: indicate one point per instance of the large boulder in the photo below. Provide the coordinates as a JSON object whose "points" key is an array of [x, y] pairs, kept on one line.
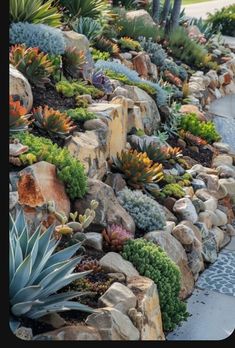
{"points": [[176, 252], [114, 262], [142, 16], [109, 210], [37, 185], [185, 209], [20, 86], [147, 315], [150, 114], [113, 325]]}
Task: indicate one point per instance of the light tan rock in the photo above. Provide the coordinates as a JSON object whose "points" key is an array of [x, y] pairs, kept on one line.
{"points": [[20, 86], [113, 325], [147, 317], [71, 333], [140, 15], [188, 108], [221, 160], [229, 185], [114, 262], [185, 209]]}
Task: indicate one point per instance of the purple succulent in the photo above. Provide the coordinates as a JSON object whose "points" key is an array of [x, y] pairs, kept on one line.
{"points": [[101, 81]]}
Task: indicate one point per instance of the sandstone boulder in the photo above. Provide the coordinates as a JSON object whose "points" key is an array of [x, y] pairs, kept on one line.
{"points": [[20, 86], [114, 262], [71, 333]]}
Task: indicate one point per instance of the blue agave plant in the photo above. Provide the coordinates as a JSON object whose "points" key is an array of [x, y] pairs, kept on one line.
{"points": [[99, 80], [37, 273]]}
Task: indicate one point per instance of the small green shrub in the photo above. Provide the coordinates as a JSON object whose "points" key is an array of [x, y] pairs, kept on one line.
{"points": [[70, 89], [127, 43], [205, 130], [97, 55], [80, 115], [70, 170], [34, 11], [87, 8], [145, 211], [223, 20], [152, 262], [172, 190]]}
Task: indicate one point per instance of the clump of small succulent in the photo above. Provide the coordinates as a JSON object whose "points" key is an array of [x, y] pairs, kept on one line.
{"points": [[127, 43], [172, 190], [107, 45], [79, 222], [153, 262], [18, 117], [52, 121], [153, 151], [101, 81], [144, 210], [98, 287], [138, 169], [115, 236], [89, 264], [192, 139]]}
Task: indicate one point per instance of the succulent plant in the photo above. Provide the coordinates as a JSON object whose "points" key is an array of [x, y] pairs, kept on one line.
{"points": [[153, 151], [73, 62], [106, 45], [99, 80], [35, 66], [115, 236], [89, 264], [37, 272], [144, 210], [172, 190], [152, 261], [18, 119], [129, 44], [172, 152], [52, 121], [138, 168]]}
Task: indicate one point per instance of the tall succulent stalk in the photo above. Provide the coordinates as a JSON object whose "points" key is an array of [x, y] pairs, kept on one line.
{"points": [[165, 12], [175, 15], [156, 10]]}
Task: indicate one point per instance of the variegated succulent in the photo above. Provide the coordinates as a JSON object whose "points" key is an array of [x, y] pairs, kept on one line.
{"points": [[73, 62], [138, 169], [37, 272], [153, 151], [171, 152], [115, 236], [52, 121], [101, 81]]}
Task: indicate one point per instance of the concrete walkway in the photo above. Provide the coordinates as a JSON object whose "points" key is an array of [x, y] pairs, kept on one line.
{"points": [[201, 9], [224, 117], [212, 304]]}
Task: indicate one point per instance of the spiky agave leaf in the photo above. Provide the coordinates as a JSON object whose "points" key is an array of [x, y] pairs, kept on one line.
{"points": [[37, 272]]}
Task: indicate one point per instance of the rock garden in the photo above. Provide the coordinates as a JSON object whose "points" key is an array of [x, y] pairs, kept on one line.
{"points": [[121, 191]]}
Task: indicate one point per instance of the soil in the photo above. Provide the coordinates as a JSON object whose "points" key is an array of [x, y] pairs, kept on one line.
{"points": [[49, 96], [36, 326]]}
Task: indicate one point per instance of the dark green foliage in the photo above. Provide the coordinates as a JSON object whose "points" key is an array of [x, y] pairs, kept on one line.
{"points": [[223, 20], [151, 261], [80, 115], [70, 170], [205, 130]]}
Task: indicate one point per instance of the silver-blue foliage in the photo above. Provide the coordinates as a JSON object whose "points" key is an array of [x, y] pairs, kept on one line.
{"points": [[132, 75], [47, 39], [145, 211]]}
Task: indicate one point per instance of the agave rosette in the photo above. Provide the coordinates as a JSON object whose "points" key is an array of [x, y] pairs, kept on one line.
{"points": [[138, 168], [37, 273]]}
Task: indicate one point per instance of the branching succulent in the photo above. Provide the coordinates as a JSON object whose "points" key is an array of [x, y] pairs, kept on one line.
{"points": [[127, 43], [69, 169], [80, 115], [153, 262], [145, 211], [35, 66], [37, 272], [138, 169], [115, 236], [172, 190], [99, 55], [18, 119], [47, 39], [101, 81], [52, 121], [70, 89]]}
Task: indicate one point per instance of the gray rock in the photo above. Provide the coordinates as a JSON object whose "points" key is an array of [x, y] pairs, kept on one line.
{"points": [[209, 251], [218, 236], [118, 296], [113, 262], [13, 199], [186, 210], [222, 160], [94, 240], [116, 181], [222, 147], [113, 325], [203, 229], [24, 333], [71, 333], [199, 205], [226, 171]]}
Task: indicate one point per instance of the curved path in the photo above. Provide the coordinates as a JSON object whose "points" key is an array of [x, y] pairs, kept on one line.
{"points": [[224, 117], [212, 304], [202, 8]]}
